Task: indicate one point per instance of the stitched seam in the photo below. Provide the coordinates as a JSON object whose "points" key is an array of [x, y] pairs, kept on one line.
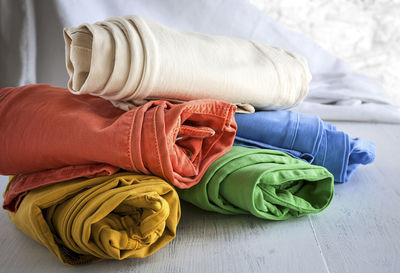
{"points": [[156, 144], [175, 130], [129, 142], [196, 132], [320, 133], [205, 108], [295, 132], [345, 161], [229, 114]]}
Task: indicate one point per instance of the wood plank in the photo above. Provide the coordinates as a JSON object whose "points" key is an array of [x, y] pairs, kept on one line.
{"points": [[360, 231]]}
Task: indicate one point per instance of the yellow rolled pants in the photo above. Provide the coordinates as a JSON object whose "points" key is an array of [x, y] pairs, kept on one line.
{"points": [[125, 215]]}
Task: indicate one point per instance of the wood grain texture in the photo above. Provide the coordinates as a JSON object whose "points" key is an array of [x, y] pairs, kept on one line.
{"points": [[361, 231], [357, 233]]}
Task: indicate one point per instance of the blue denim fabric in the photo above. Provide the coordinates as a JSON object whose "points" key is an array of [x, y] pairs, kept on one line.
{"points": [[305, 137]]}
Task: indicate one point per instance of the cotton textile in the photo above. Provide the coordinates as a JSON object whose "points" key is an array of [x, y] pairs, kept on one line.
{"points": [[306, 137], [125, 215], [34, 48], [22, 184], [44, 127], [266, 183], [132, 59]]}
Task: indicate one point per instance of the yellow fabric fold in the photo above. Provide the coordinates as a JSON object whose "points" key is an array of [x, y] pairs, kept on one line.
{"points": [[125, 215]]}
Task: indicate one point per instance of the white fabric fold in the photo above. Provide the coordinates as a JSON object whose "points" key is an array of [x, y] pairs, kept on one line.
{"points": [[333, 85], [128, 60]]}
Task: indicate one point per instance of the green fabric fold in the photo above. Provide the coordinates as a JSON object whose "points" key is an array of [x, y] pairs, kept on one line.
{"points": [[266, 183]]}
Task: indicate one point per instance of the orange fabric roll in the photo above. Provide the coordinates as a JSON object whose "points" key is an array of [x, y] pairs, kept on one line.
{"points": [[45, 127]]}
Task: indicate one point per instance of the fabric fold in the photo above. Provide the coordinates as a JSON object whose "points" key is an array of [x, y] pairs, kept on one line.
{"points": [[23, 183], [129, 60], [306, 137], [125, 215], [335, 93], [266, 183], [45, 127]]}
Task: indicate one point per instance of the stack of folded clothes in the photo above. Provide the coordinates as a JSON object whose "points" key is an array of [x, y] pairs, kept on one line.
{"points": [[96, 170]]}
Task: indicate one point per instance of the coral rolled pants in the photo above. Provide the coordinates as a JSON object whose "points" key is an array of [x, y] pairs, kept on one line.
{"points": [[45, 127]]}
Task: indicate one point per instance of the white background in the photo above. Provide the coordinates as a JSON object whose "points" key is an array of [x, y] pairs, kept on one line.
{"points": [[366, 34]]}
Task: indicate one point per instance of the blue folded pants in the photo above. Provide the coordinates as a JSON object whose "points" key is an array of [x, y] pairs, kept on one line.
{"points": [[305, 137]]}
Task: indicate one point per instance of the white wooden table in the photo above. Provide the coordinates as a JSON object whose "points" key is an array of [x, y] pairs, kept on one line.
{"points": [[358, 232]]}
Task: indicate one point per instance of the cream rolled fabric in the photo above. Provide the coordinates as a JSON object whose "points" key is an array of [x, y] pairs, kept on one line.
{"points": [[128, 60]]}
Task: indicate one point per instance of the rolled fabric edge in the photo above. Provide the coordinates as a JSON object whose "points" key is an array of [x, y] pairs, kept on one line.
{"points": [[19, 185], [36, 210], [311, 197], [132, 55], [361, 152], [75, 70], [244, 108], [349, 152], [142, 51], [312, 186], [199, 158]]}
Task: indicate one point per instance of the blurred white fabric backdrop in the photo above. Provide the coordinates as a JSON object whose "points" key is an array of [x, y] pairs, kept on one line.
{"points": [[32, 46], [364, 33]]}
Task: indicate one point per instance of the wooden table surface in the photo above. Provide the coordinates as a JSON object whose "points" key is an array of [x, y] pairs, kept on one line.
{"points": [[358, 232]]}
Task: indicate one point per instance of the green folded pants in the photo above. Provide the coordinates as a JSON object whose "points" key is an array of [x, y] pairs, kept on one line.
{"points": [[268, 184]]}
